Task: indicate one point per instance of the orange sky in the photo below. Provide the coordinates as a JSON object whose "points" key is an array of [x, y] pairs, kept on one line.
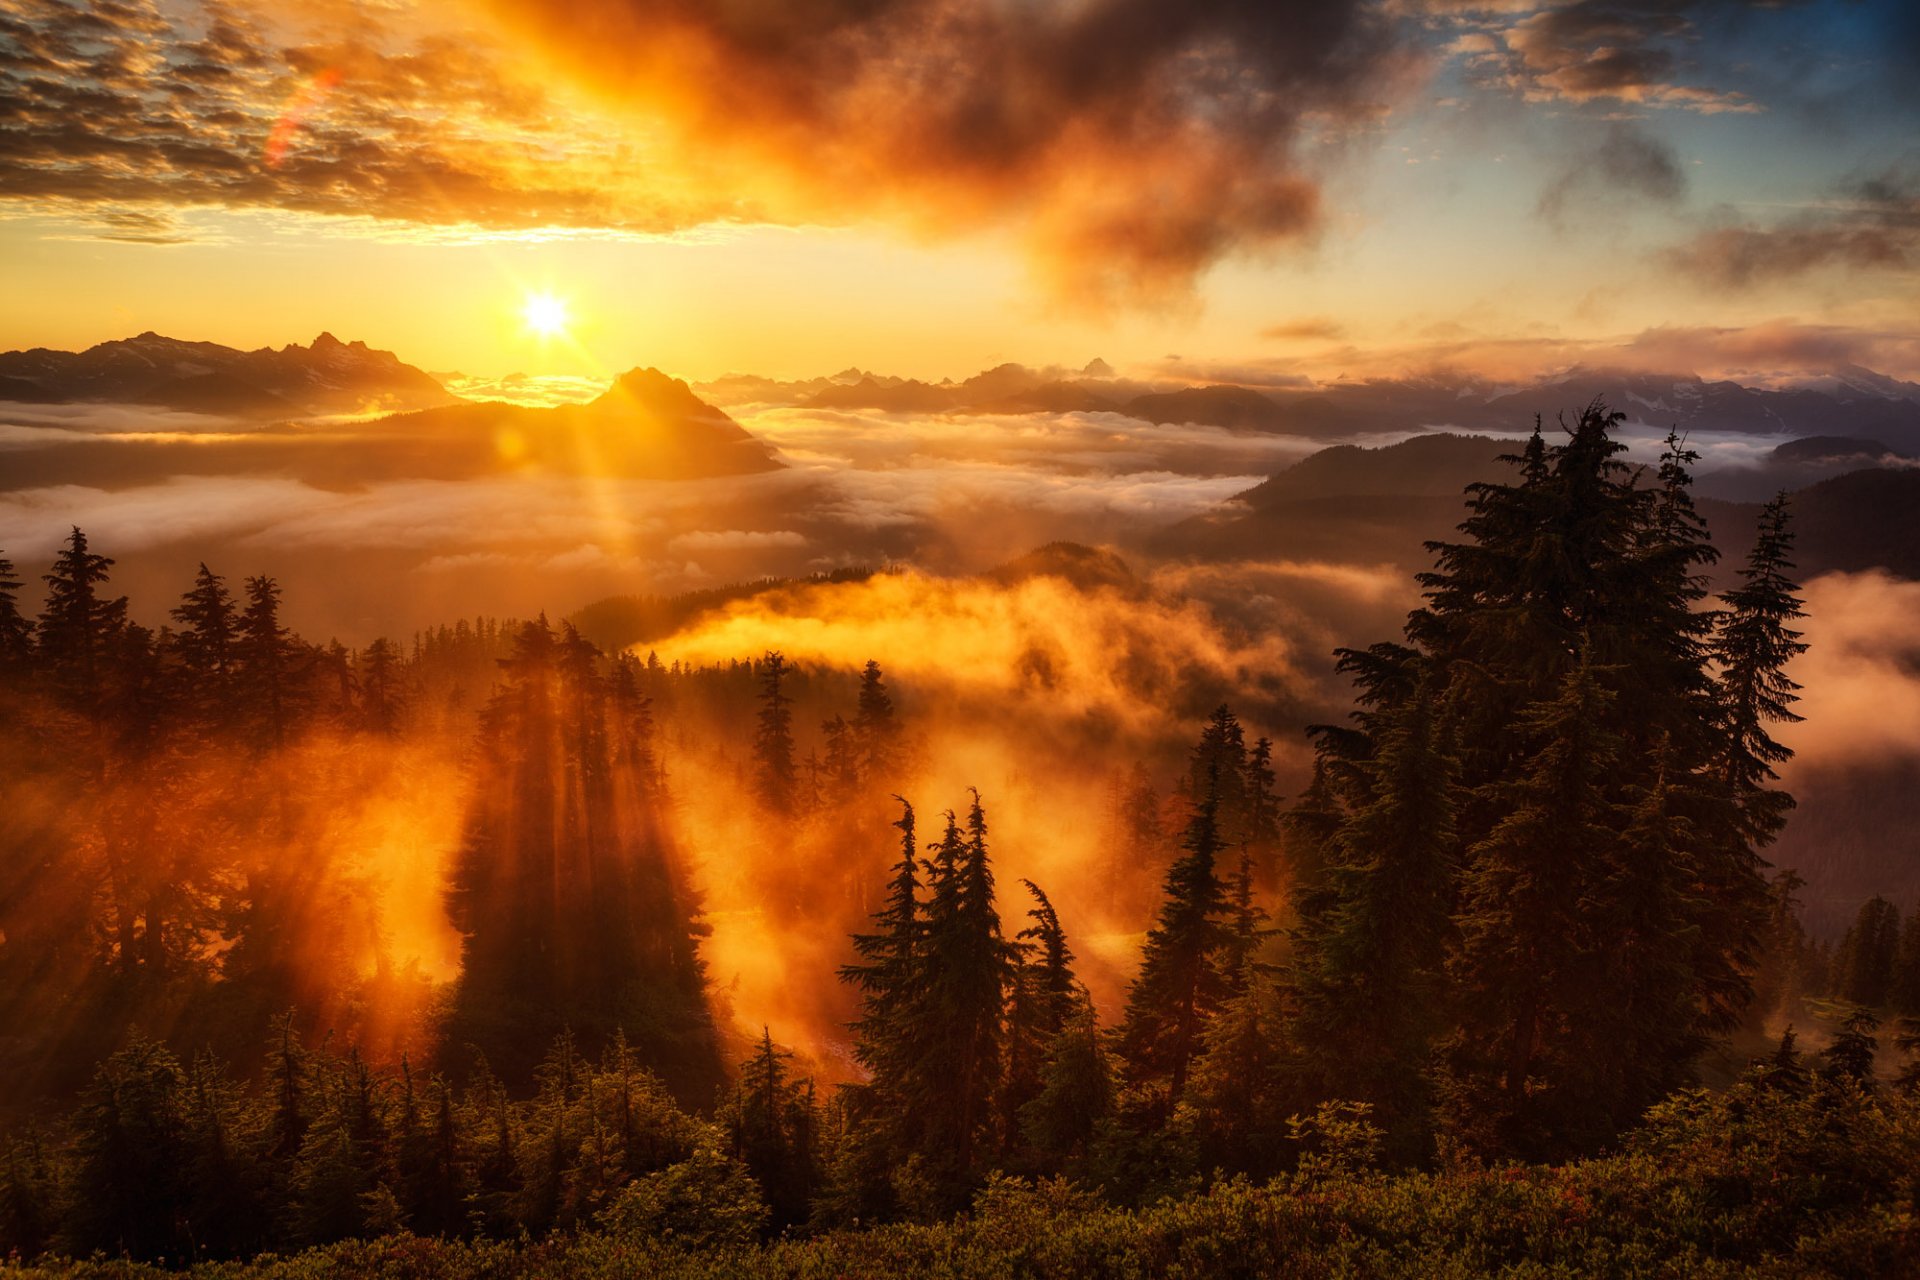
{"points": [[929, 187]]}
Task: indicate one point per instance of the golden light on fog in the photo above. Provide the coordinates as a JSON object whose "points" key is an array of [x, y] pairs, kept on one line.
{"points": [[545, 314]]}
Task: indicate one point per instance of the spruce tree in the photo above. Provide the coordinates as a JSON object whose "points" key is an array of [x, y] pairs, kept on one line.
{"points": [[1869, 955], [774, 775], [888, 976], [876, 735], [1367, 975], [16, 633], [208, 635], [1179, 984], [1752, 647], [1605, 853], [1526, 970], [967, 967], [267, 672], [78, 624]]}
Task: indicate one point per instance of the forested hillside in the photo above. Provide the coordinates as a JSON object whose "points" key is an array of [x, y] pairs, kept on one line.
{"points": [[414, 945]]}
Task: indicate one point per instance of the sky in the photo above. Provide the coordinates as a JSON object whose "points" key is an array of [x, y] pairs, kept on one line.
{"points": [[927, 187]]}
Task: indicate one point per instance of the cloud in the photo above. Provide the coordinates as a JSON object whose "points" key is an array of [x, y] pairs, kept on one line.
{"points": [[1766, 351], [1133, 142], [1624, 51], [989, 642], [1872, 225], [1628, 163], [735, 540], [118, 116], [1861, 672], [1307, 329]]}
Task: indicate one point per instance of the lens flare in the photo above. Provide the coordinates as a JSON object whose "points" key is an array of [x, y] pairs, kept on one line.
{"points": [[302, 103], [545, 314]]}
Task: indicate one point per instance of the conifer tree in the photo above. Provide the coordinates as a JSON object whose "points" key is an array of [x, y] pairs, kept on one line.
{"points": [[770, 1126], [1849, 1055], [1752, 647], [267, 675], [209, 632], [1605, 853], [1869, 954], [1179, 984], [1368, 976], [888, 976], [1042, 996], [16, 633], [876, 736], [967, 967], [1526, 966], [1062, 1124], [382, 696], [78, 624], [774, 775]]}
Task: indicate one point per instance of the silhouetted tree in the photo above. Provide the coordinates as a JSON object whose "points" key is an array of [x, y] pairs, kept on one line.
{"points": [[1179, 984], [773, 740], [78, 624]]}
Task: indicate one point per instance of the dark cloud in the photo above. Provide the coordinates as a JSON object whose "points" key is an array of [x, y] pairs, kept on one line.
{"points": [[1135, 141], [128, 104], [1637, 52], [1628, 164], [1870, 225]]}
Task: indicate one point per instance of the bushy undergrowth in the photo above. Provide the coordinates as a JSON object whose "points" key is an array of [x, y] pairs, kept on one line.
{"points": [[1776, 1176]]}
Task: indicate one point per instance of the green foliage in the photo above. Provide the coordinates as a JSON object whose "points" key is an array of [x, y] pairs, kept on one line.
{"points": [[1755, 1181], [706, 1200]]}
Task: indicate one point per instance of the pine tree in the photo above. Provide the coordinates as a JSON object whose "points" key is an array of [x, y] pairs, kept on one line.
{"points": [[1752, 648], [1179, 984], [208, 636], [876, 735], [774, 774], [1869, 955], [1042, 996], [1605, 855], [16, 633], [1526, 968], [1849, 1055], [267, 675], [77, 624], [967, 968], [382, 695], [1368, 972], [770, 1125], [1062, 1124], [889, 979], [1780, 974]]}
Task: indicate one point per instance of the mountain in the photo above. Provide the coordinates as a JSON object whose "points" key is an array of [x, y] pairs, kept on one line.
{"points": [[328, 377], [645, 426], [1237, 408], [1348, 503], [1833, 449], [908, 396], [1440, 465]]}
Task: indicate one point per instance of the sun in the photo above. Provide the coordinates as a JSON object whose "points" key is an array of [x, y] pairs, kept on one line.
{"points": [[545, 314]]}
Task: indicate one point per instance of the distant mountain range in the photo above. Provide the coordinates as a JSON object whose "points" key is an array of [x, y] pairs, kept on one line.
{"points": [[293, 381], [645, 426], [1847, 401], [1854, 505]]}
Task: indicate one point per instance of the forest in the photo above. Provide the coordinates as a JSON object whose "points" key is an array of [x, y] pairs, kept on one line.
{"points": [[401, 959]]}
